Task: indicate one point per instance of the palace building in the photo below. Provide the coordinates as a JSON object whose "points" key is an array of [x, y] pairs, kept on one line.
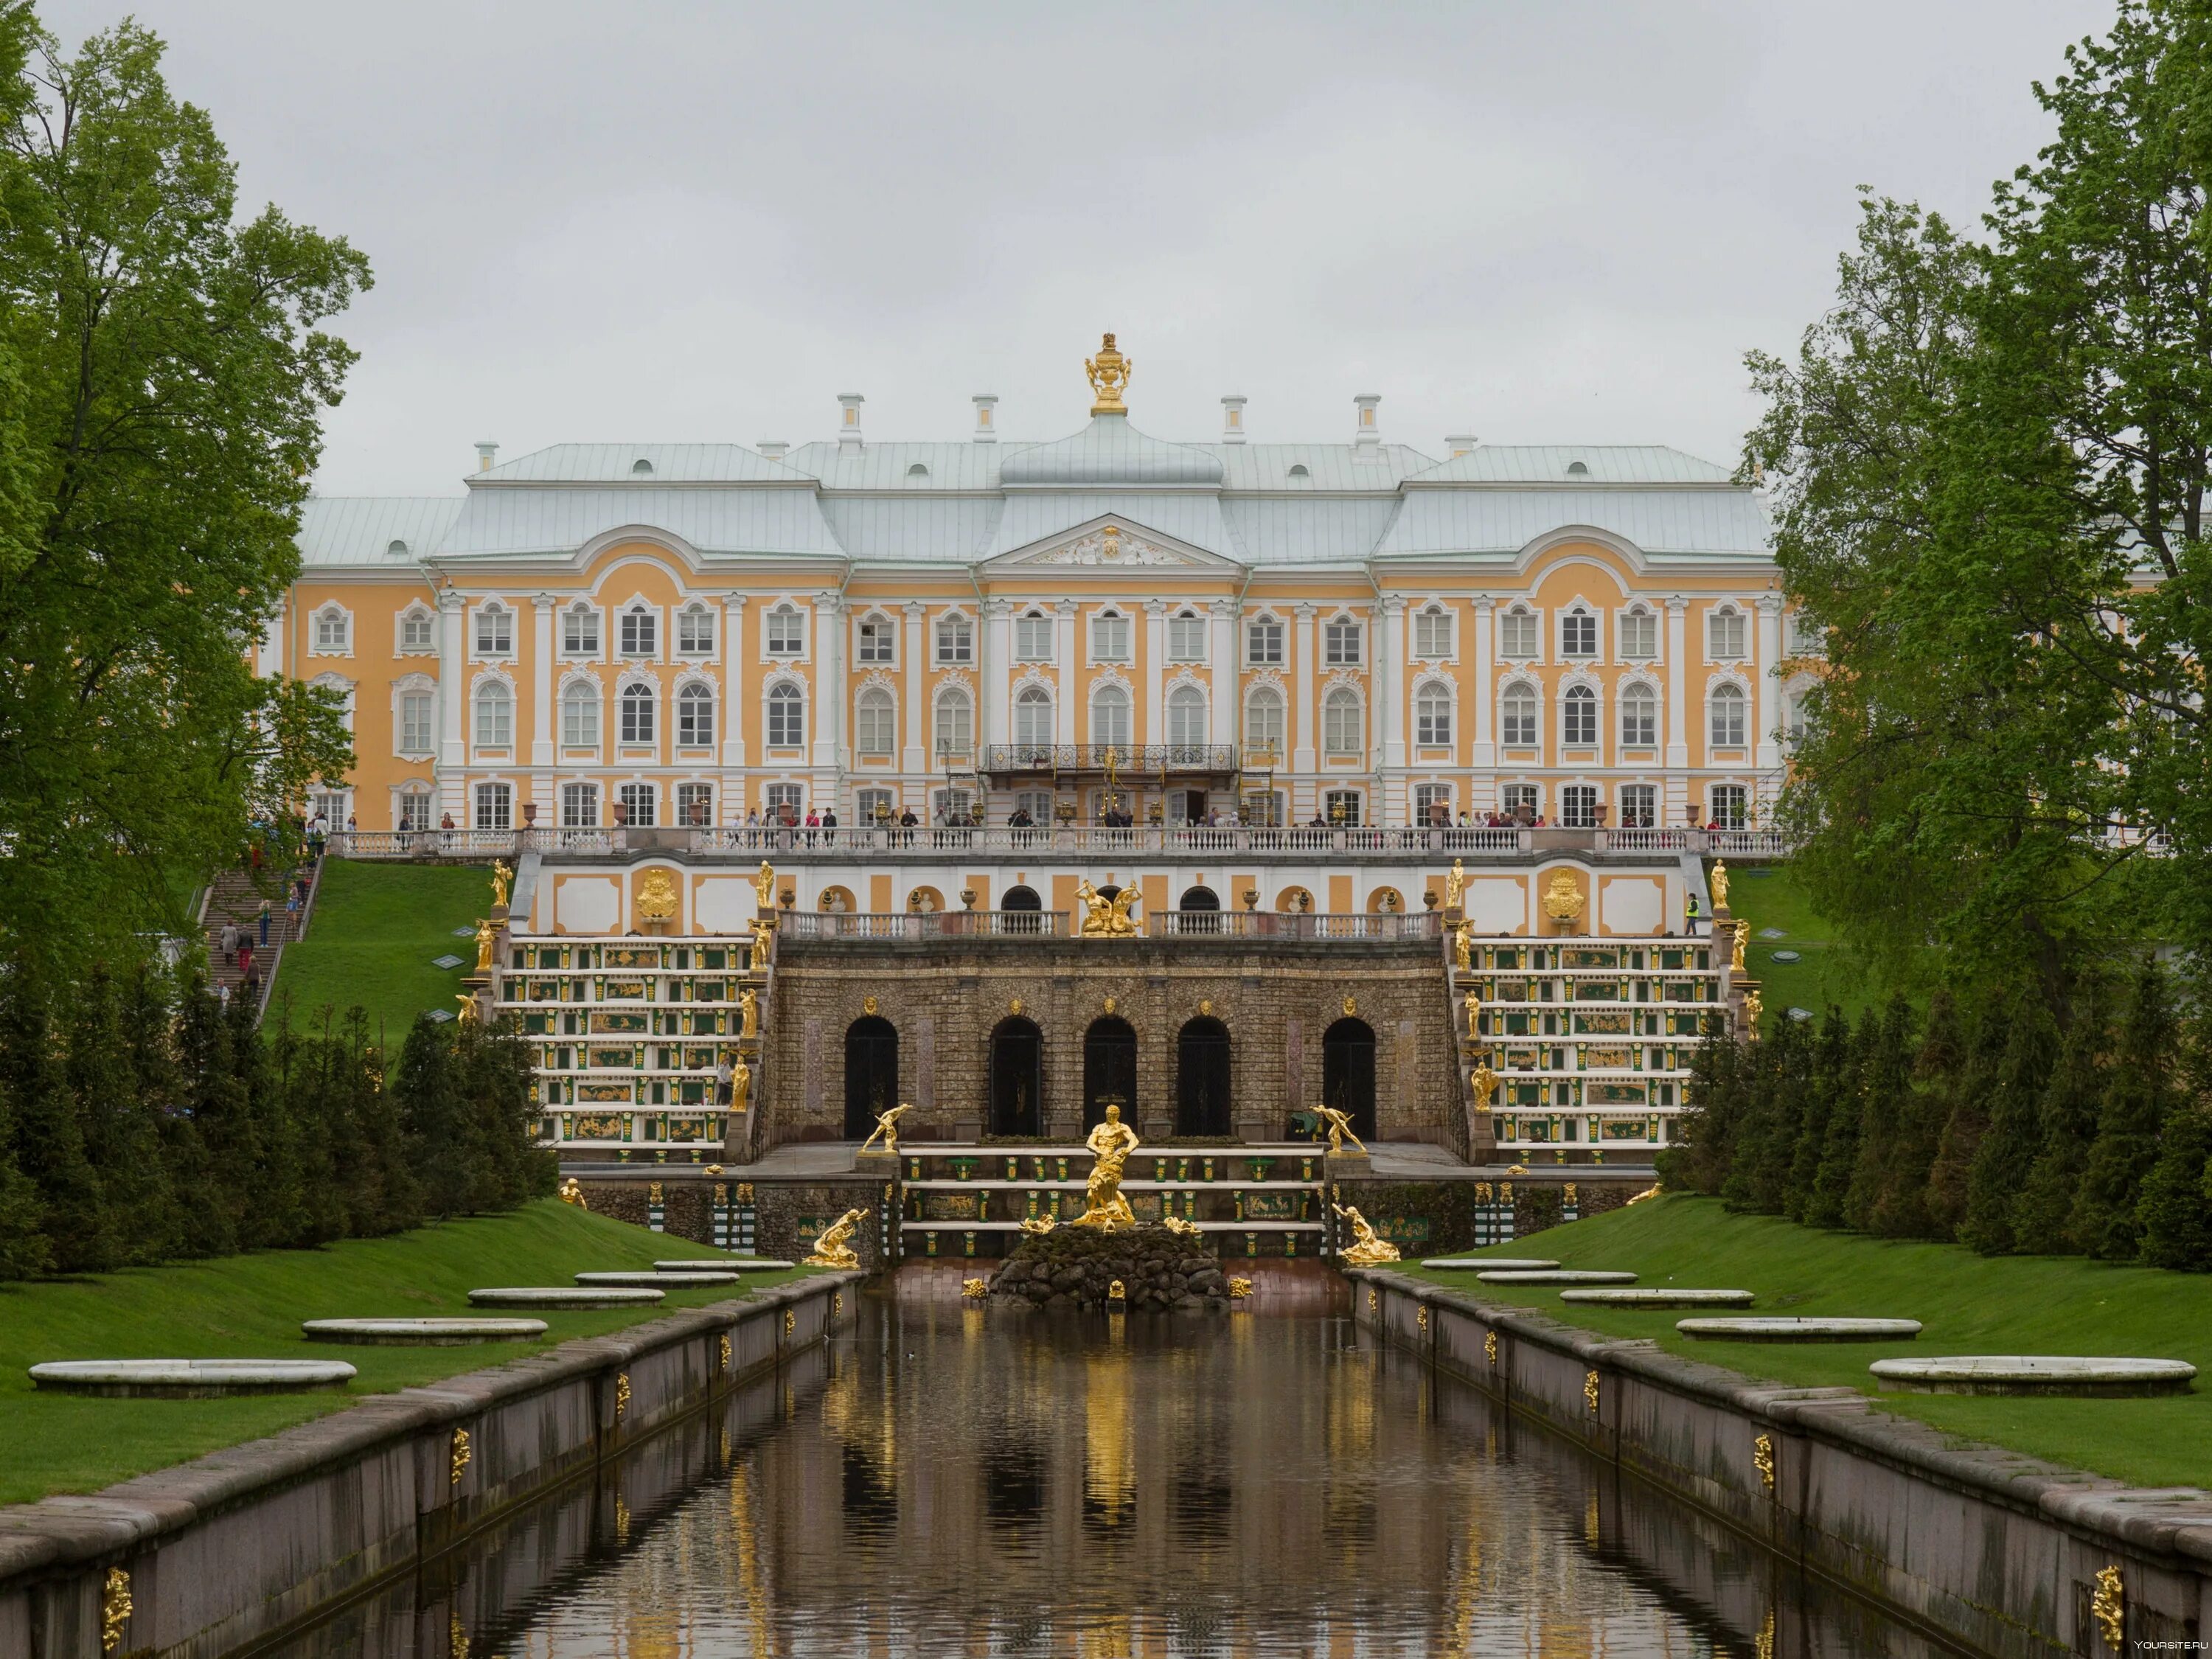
{"points": [[1104, 627]]}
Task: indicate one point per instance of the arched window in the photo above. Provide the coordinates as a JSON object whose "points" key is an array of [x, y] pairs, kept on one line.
{"points": [[1728, 717], [641, 631], [333, 631], [1263, 721], [1299, 474], [1639, 718], [955, 721], [1033, 717], [580, 716], [1110, 637], [1186, 716], [416, 631], [495, 716], [1341, 738], [1518, 716], [1033, 637], [1639, 634], [917, 474], [1516, 634], [875, 724], [695, 717], [637, 710], [1578, 717], [786, 717], [876, 644], [1186, 637], [695, 630], [1109, 716], [641, 468], [1432, 717]]}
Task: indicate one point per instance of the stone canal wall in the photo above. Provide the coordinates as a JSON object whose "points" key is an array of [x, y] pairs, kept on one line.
{"points": [[240, 1547], [1972, 1543]]}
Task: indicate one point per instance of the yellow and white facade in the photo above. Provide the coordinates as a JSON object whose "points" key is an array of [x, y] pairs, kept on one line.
{"points": [[1351, 631]]}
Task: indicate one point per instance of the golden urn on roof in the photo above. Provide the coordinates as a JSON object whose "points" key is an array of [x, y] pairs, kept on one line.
{"points": [[1109, 378]]}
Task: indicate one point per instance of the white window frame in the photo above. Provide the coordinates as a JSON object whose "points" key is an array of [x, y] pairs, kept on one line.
{"points": [[1640, 806], [1033, 636], [330, 631], [1433, 632], [583, 632], [692, 617], [689, 793], [1118, 696], [637, 709], [952, 722], [1520, 633], [1343, 642], [1737, 624], [1255, 741], [784, 706], [1517, 730], [579, 806], [640, 793], [493, 804], [1637, 618], [1183, 702], [410, 807], [876, 640], [1186, 637], [789, 646], [1581, 702], [491, 631], [415, 685], [1578, 805], [1737, 798], [1340, 707], [1111, 636], [634, 623], [691, 698], [1264, 641], [875, 715], [953, 641], [1432, 715], [1579, 619], [417, 615], [569, 699], [1033, 705], [1638, 702], [481, 704], [1727, 694]]}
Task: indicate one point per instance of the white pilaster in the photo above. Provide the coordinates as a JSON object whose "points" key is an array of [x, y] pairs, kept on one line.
{"points": [[997, 676], [914, 760], [1678, 700], [453, 695], [733, 713], [1301, 706], [1221, 659], [828, 684], [1152, 721], [1070, 691], [1486, 693], [542, 715], [1764, 668], [1392, 652]]}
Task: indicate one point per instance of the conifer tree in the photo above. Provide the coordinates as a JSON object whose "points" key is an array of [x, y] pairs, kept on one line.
{"points": [[1839, 1151], [296, 1076], [2175, 1213], [2014, 1138], [1886, 1084], [49, 1142], [1705, 1137], [210, 1119], [1779, 1075], [121, 1124], [437, 1127], [2138, 1099], [1924, 1106], [1831, 1062], [387, 1198], [1962, 1128], [24, 1251], [2042, 1212], [265, 1175]]}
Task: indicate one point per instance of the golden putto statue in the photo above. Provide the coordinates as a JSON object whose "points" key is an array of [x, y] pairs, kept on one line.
{"points": [[1109, 378], [572, 1193], [1107, 918], [1340, 1126], [1105, 1209], [834, 1247], [887, 1127], [1366, 1250]]}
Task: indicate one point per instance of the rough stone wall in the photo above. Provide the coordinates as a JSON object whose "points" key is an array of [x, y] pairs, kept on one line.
{"points": [[1438, 1217], [946, 997]]}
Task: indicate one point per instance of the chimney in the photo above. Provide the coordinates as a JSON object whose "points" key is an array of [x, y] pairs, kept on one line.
{"points": [[848, 419], [774, 448], [1232, 418], [1458, 443], [486, 454], [1366, 434], [986, 417]]}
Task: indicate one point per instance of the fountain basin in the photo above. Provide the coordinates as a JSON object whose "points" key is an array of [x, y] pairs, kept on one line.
{"points": [[421, 1333], [190, 1379]]}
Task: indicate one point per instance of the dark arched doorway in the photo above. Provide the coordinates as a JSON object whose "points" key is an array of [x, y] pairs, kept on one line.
{"points": [[1110, 1070], [1017, 1079], [1202, 1078], [1023, 903], [870, 1073], [1348, 1072], [1199, 911], [1199, 898]]}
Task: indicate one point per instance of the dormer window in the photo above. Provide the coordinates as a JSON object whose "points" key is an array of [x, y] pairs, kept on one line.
{"points": [[1033, 637], [878, 641], [1516, 634], [1433, 633], [1299, 474], [956, 641], [785, 631], [641, 631], [1578, 469], [494, 630], [917, 474], [396, 549], [1186, 637], [641, 468], [1577, 634], [579, 631], [1340, 643], [695, 630]]}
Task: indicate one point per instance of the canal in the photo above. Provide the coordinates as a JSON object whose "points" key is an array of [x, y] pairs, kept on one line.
{"points": [[957, 1480]]}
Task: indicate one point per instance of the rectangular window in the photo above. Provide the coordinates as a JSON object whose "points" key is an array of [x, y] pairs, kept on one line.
{"points": [[1340, 643], [787, 718], [1520, 800], [414, 812], [785, 800], [1432, 720], [956, 640], [695, 630], [415, 631], [1263, 643], [954, 726], [1032, 638], [786, 632], [874, 725], [579, 806], [1341, 738], [579, 718], [1341, 808], [1037, 803], [1516, 635], [495, 806], [1639, 635], [330, 632], [1724, 633], [1806, 637], [1186, 639], [494, 631], [640, 633], [1433, 635], [1729, 805], [878, 642], [1518, 724], [1427, 797], [695, 806], [694, 718], [1578, 806], [637, 705], [1578, 634], [495, 718], [1640, 806], [579, 633], [415, 717], [640, 802], [1263, 810], [874, 806], [1109, 638]]}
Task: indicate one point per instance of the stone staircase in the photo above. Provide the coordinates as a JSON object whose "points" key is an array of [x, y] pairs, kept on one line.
{"points": [[235, 895]]}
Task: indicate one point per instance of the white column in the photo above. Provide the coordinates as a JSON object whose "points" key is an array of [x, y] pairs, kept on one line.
{"points": [[1486, 693], [733, 712], [452, 695], [1302, 704], [997, 710], [1391, 655], [1151, 724], [914, 760], [1678, 700], [268, 655], [828, 680], [543, 714], [1764, 668], [1070, 692], [1221, 657]]}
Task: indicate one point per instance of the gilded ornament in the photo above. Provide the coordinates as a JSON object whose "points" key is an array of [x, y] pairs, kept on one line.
{"points": [[1589, 1391], [572, 1192], [790, 1321], [748, 1012], [1454, 885], [1567, 1193], [1366, 1250], [1720, 883], [1473, 1003], [1239, 1289], [1182, 1227], [1489, 1348], [722, 1353], [1111, 1143], [114, 1608], [502, 878], [653, 1192], [1116, 1292], [1039, 1225], [1374, 1299], [1109, 374], [458, 1457], [715, 1170], [1562, 898], [1462, 953], [484, 942], [1421, 1316], [622, 1395], [1014, 1006], [764, 887], [1109, 1004], [868, 1005], [836, 1302], [1751, 1015], [1762, 1459], [656, 896], [470, 1012], [1340, 1126], [887, 1127], [1652, 1191], [973, 1289], [1105, 917], [1484, 1082], [834, 1248], [1735, 956], [741, 1085], [2109, 1606], [1350, 1007]]}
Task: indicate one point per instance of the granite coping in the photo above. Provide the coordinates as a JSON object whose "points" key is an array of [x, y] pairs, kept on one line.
{"points": [[80, 1529], [2174, 1520]]}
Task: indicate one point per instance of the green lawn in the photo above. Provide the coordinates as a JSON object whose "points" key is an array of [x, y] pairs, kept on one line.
{"points": [[377, 928], [1968, 1304], [1769, 896], [250, 1306]]}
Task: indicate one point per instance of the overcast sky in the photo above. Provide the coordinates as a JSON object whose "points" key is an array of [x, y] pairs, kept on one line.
{"points": [[1536, 221]]}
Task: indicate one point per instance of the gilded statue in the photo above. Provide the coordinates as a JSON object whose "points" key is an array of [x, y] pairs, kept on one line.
{"points": [[572, 1192], [1340, 1126], [1039, 1225], [1104, 917], [834, 1247], [1463, 952], [748, 1012], [1105, 1207], [1456, 885], [483, 944], [763, 932], [764, 887], [1736, 958], [1181, 1226], [1366, 1248], [887, 1127], [741, 1085], [1484, 1082], [502, 878], [1473, 1003], [470, 1011], [1562, 898], [1751, 1015], [974, 1290], [1108, 373], [1720, 887]]}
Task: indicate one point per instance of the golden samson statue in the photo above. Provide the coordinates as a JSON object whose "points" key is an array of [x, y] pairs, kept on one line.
{"points": [[1367, 1249], [834, 1247], [1105, 1209]]}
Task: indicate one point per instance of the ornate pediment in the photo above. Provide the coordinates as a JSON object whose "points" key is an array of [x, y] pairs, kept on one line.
{"points": [[1110, 544]]}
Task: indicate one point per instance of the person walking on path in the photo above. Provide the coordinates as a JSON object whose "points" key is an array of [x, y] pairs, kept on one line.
{"points": [[291, 914], [230, 941], [263, 920]]}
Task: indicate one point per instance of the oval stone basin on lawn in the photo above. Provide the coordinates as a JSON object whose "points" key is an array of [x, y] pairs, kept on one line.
{"points": [[421, 1333], [1777, 1328], [190, 1379], [728, 1264], [1501, 1264], [566, 1296], [2051, 1374], [1658, 1295], [1556, 1276], [666, 1281]]}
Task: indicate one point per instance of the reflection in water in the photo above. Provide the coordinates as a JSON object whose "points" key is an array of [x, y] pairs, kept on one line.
{"points": [[954, 1481]]}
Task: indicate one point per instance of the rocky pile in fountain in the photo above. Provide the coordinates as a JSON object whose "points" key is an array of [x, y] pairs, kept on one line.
{"points": [[1076, 1267]]}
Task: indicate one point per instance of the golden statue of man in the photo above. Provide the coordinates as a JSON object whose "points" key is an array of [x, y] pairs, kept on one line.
{"points": [[1454, 885], [887, 1127], [1484, 1082], [741, 1084], [1473, 1001], [834, 1247], [1463, 952], [1751, 1015], [764, 886], [748, 1013], [1340, 1126], [1366, 1248], [1105, 1207]]}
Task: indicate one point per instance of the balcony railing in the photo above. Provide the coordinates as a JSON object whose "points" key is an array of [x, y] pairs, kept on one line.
{"points": [[1150, 759], [1056, 925], [925, 924]]}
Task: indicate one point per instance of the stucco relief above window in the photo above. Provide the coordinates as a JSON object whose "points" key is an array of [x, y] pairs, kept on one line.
{"points": [[418, 630], [330, 631]]}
